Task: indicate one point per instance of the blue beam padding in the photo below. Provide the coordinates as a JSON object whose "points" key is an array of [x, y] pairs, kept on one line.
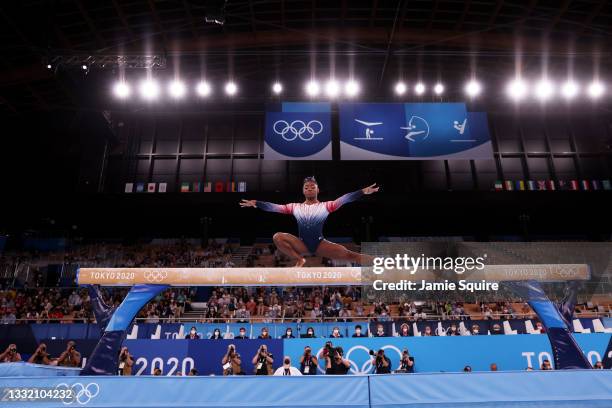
{"points": [[136, 298]]}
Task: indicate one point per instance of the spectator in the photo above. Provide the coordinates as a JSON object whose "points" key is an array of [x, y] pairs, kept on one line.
{"points": [[40, 356], [193, 334], [475, 330], [265, 334], [358, 332], [380, 362], [232, 363], [404, 330], [288, 334], [309, 333], [493, 367], [263, 361], [71, 357], [428, 331], [286, 368], [10, 355], [157, 371], [216, 335], [452, 331], [496, 329], [308, 362], [336, 333], [380, 331], [126, 362], [242, 334]]}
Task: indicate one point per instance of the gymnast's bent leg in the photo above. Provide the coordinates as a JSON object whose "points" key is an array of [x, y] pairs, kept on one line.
{"points": [[334, 251], [291, 246]]}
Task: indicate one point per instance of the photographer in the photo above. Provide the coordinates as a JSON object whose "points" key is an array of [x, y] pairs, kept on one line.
{"points": [[308, 362], [40, 356], [263, 361], [286, 368], [335, 364], [381, 363], [71, 357], [10, 355], [126, 362], [406, 363], [232, 362]]}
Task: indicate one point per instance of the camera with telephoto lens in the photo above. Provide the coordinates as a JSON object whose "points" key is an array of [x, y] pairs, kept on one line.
{"points": [[329, 350]]}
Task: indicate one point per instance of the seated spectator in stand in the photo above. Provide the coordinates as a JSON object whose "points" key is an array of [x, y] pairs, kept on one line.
{"points": [[546, 365], [467, 369], [404, 330], [493, 367], [242, 334], [216, 335], [40, 356], [380, 331], [427, 331], [193, 334], [540, 327], [358, 332], [344, 315], [286, 368], [263, 361], [496, 329], [232, 362], [308, 362], [126, 362], [10, 355], [336, 333], [71, 357], [475, 330], [288, 334], [310, 334], [265, 334], [453, 331]]}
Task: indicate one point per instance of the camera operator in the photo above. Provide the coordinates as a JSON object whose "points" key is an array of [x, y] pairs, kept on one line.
{"points": [[10, 355], [308, 362], [381, 363], [406, 363], [335, 364], [263, 361], [126, 362], [40, 356], [232, 362], [71, 357]]}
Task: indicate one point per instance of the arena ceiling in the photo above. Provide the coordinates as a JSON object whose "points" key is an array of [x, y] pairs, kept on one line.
{"points": [[379, 40]]}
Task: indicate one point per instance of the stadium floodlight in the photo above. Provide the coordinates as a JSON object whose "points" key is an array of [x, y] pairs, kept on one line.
{"points": [[438, 89], [400, 88], [473, 88], [203, 89], [351, 88], [544, 89], [516, 89], [312, 88], [149, 89], [277, 88], [49, 66], [177, 89], [231, 88], [569, 89], [332, 88], [84, 67], [596, 89], [419, 88], [122, 90]]}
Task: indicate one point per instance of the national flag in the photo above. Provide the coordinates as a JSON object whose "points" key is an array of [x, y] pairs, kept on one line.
{"points": [[499, 186], [184, 187], [585, 185], [242, 186], [550, 184], [508, 185], [520, 185], [140, 187], [163, 187], [606, 184], [219, 187], [151, 187], [574, 185], [562, 185], [129, 187], [541, 185], [196, 187], [208, 187], [532, 185], [595, 184]]}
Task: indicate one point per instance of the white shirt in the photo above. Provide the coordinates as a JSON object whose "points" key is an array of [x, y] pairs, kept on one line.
{"points": [[292, 371]]}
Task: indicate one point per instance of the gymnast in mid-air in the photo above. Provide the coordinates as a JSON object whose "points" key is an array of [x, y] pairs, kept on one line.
{"points": [[311, 215]]}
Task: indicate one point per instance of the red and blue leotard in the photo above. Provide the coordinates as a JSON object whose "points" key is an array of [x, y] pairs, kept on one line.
{"points": [[311, 217]]}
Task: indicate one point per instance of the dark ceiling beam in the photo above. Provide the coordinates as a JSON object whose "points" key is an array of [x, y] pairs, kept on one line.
{"points": [[158, 25], [466, 9], [530, 7], [373, 13], [99, 41], [564, 6], [394, 28], [123, 20], [432, 16], [498, 7]]}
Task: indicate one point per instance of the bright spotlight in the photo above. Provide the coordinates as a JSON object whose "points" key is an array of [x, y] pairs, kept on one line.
{"points": [[569, 89], [439, 89], [149, 89], [231, 88], [596, 89], [544, 89], [473, 88], [203, 88], [177, 89], [332, 88], [84, 67], [516, 89], [277, 88], [419, 88], [400, 88], [122, 90], [351, 88], [49, 66], [312, 88]]}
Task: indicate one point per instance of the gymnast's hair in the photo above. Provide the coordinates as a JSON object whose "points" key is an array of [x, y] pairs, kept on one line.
{"points": [[310, 179]]}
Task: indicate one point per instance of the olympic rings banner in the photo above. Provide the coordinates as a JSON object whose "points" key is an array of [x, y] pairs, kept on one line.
{"points": [[298, 131], [413, 131]]}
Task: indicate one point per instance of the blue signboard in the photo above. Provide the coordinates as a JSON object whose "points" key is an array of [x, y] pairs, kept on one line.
{"points": [[298, 131], [412, 131]]}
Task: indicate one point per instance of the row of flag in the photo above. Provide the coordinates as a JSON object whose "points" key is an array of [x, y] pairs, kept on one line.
{"points": [[189, 187], [552, 185]]}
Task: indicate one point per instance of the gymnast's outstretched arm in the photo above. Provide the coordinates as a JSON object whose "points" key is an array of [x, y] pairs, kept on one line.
{"points": [[266, 206], [350, 197]]}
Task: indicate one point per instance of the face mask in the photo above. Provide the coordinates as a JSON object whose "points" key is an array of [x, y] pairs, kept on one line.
{"points": [[335, 331], [475, 331], [217, 333], [310, 333], [288, 333], [358, 331], [287, 362], [379, 330], [242, 333], [193, 331]]}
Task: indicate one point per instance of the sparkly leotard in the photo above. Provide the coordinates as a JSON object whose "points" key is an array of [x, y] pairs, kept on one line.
{"points": [[311, 217]]}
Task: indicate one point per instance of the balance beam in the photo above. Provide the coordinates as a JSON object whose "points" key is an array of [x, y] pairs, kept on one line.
{"points": [[340, 276]]}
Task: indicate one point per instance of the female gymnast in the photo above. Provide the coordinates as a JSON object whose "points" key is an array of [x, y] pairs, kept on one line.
{"points": [[310, 216]]}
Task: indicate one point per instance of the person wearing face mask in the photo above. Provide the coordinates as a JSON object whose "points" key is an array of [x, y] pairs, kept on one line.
{"points": [[380, 331], [358, 332], [336, 333], [453, 331], [540, 328], [475, 330], [242, 335], [265, 334], [216, 335], [496, 329], [263, 361], [193, 334], [288, 334], [309, 334], [308, 362], [427, 331], [404, 330], [286, 368]]}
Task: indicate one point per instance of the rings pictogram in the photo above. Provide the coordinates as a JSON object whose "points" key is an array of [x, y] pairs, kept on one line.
{"points": [[298, 128], [155, 276], [82, 394]]}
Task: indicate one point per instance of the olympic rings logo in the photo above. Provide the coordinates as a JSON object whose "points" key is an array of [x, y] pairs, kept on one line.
{"points": [[297, 128], [82, 394], [155, 276], [366, 367]]}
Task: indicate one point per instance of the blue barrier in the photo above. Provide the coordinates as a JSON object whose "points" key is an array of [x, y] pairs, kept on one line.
{"points": [[576, 388]]}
